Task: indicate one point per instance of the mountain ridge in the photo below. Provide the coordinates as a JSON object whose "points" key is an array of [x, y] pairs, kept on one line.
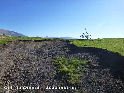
{"points": [[10, 33]]}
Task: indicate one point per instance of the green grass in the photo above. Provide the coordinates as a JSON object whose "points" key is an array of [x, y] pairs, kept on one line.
{"points": [[6, 39], [70, 69], [111, 44]]}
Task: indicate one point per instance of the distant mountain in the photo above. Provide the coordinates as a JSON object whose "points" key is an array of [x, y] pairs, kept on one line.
{"points": [[67, 37], [10, 33], [63, 37]]}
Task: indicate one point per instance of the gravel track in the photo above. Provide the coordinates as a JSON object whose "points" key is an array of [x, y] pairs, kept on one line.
{"points": [[29, 63]]}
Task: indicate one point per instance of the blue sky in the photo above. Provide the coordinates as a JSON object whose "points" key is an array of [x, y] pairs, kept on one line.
{"points": [[55, 18]]}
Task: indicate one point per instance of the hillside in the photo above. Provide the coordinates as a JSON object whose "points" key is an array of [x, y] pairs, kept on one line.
{"points": [[111, 44], [10, 33], [55, 62]]}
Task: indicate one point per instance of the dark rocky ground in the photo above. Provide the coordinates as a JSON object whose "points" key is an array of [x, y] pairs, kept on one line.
{"points": [[29, 63]]}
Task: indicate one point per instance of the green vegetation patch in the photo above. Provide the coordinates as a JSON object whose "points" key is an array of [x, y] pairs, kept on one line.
{"points": [[111, 44], [70, 69], [4, 39]]}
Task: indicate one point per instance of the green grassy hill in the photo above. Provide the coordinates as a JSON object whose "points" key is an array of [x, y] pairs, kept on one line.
{"points": [[4, 39], [111, 44]]}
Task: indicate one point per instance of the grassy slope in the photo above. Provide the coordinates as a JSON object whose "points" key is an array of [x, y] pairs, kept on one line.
{"points": [[5, 39], [111, 44]]}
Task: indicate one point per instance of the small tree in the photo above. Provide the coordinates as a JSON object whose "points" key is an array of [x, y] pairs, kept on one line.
{"points": [[86, 35]]}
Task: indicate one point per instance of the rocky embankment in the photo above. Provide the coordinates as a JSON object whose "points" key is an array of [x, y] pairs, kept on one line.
{"points": [[29, 63]]}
